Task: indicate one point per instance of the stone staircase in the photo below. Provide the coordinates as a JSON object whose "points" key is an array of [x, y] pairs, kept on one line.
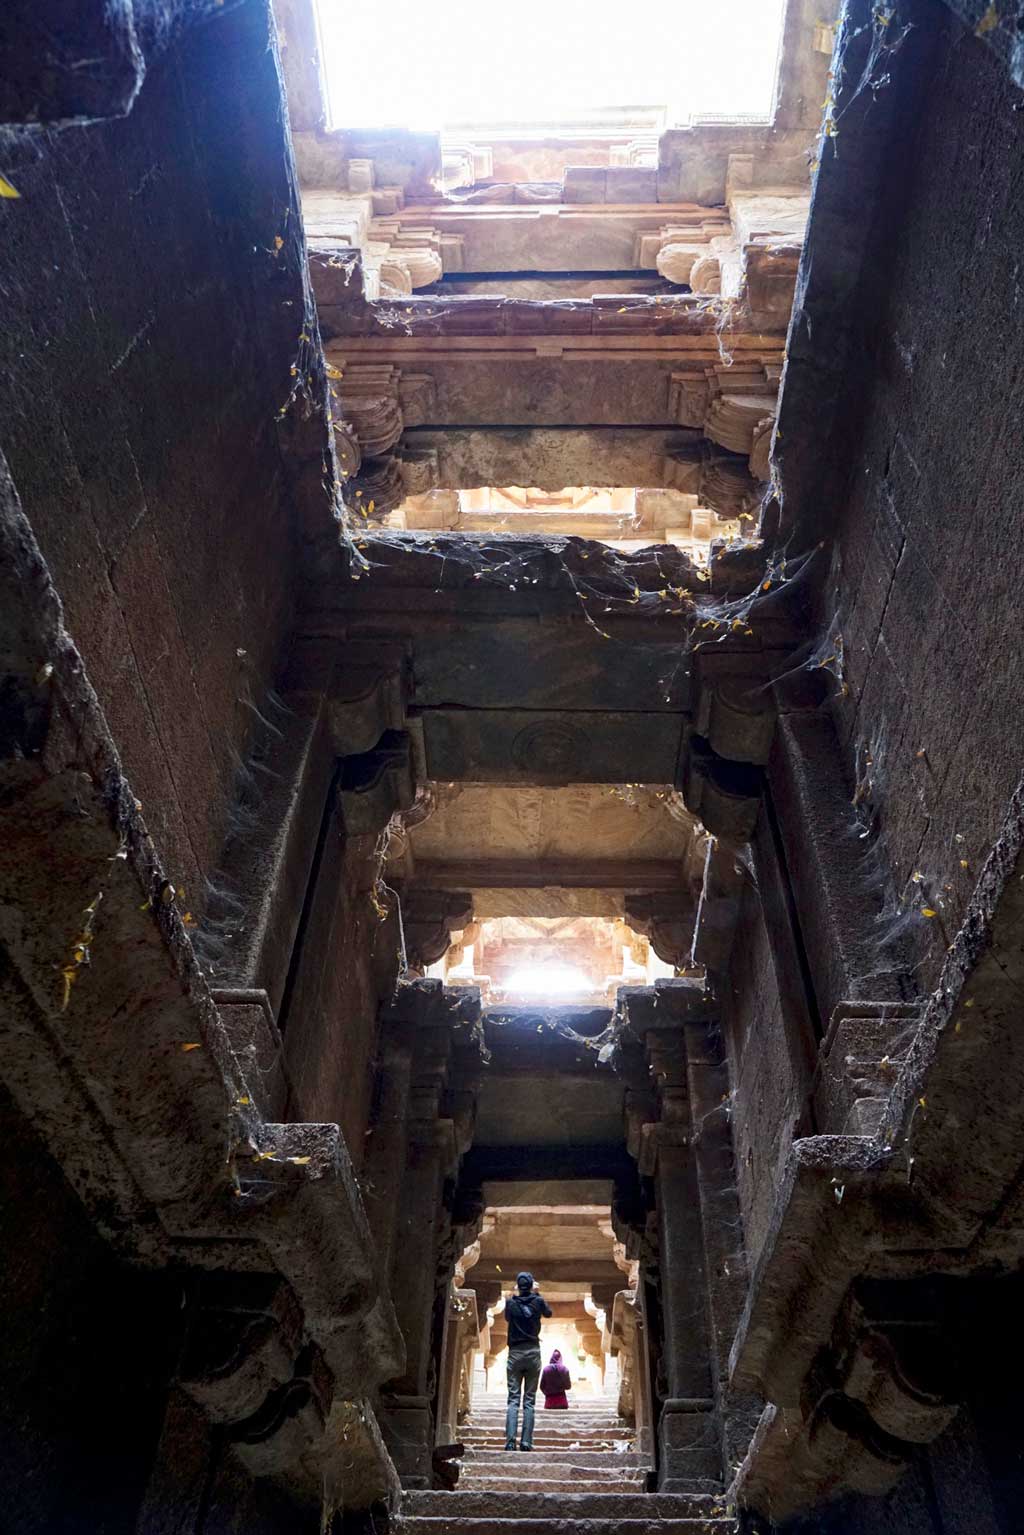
{"points": [[583, 1477]]}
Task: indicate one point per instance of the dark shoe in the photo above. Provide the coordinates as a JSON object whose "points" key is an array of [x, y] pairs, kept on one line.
{"points": [[511, 1445], [524, 1446]]}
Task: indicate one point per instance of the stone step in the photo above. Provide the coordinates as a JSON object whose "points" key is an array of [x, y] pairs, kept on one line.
{"points": [[710, 1523], [545, 1435], [513, 1484], [613, 1471], [554, 1419], [584, 1459], [562, 1427], [586, 1409], [576, 1405], [558, 1423], [560, 1505]]}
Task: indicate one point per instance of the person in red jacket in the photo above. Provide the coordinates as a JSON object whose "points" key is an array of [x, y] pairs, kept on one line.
{"points": [[555, 1382]]}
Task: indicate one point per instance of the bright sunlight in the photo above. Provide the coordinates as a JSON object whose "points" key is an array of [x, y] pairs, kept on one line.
{"points": [[548, 978], [474, 61]]}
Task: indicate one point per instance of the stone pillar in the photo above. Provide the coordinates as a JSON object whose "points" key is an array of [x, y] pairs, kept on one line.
{"points": [[387, 1144], [448, 1373], [689, 1426], [408, 1418], [461, 1338], [707, 1081], [689, 1451], [443, 1028], [643, 1396]]}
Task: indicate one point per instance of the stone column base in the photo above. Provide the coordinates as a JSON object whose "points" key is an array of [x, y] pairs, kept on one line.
{"points": [[407, 1424], [689, 1446]]}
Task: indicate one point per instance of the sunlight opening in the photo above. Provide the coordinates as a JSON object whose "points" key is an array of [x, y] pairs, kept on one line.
{"points": [[551, 63], [548, 979]]}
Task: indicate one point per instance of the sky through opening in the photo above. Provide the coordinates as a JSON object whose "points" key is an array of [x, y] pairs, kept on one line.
{"points": [[475, 61]]}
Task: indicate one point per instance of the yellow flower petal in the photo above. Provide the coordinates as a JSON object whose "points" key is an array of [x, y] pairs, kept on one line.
{"points": [[988, 22]]}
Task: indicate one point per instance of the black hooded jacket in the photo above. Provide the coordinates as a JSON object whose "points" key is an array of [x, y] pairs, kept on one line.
{"points": [[523, 1314]]}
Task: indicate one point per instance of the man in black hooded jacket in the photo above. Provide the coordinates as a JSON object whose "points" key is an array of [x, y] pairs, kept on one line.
{"points": [[523, 1313]]}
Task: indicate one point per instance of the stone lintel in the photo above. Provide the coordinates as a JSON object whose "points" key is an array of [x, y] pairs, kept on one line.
{"points": [[665, 1005]]}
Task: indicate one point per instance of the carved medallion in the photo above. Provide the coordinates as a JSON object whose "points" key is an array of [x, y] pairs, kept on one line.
{"points": [[550, 749]]}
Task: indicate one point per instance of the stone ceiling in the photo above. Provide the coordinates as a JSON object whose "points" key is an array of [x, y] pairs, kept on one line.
{"points": [[592, 841]]}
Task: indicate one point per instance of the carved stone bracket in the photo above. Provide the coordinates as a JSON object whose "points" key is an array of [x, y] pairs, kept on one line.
{"points": [[727, 486], [885, 1385], [860, 1056], [376, 783], [377, 402], [429, 918], [724, 794], [718, 909], [689, 242], [462, 165], [734, 709], [408, 257], [735, 406], [666, 921], [366, 697], [377, 489], [369, 398]]}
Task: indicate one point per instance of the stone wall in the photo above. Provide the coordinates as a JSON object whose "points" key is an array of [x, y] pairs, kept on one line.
{"points": [[88, 1349], [930, 560], [157, 366], [150, 325], [767, 1091]]}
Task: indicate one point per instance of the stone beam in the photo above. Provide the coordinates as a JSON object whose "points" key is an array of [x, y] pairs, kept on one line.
{"points": [[517, 746], [559, 237], [585, 874], [485, 1165], [551, 458], [564, 1271]]}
